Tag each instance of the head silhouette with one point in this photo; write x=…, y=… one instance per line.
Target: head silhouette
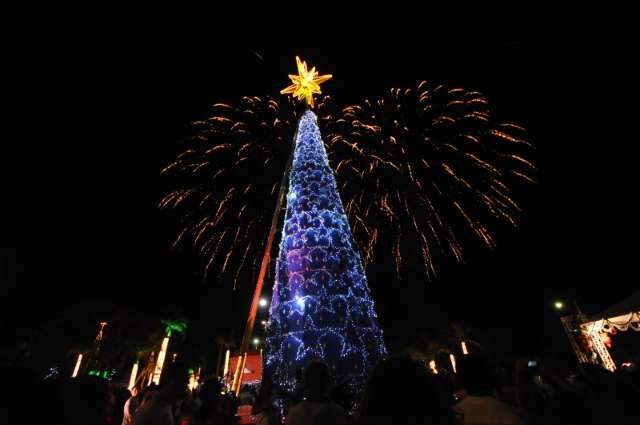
x=477, y=375
x=401, y=391
x=316, y=379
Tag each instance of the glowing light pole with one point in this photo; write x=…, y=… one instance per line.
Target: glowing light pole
x=226, y=364
x=77, y=368
x=163, y=353
x=464, y=348
x=134, y=374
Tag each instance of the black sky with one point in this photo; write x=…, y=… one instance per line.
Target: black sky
x=81, y=201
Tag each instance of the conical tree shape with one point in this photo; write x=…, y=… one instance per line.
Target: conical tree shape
x=321, y=306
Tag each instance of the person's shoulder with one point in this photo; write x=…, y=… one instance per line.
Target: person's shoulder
x=464, y=403
x=331, y=409
x=298, y=409
x=509, y=412
x=224, y=419
x=335, y=407
x=502, y=404
x=334, y=412
x=296, y=413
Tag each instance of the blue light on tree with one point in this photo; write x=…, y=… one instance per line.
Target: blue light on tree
x=321, y=306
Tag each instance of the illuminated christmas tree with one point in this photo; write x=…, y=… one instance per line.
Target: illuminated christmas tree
x=427, y=169
x=321, y=306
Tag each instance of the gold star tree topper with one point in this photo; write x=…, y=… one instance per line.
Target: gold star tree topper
x=306, y=83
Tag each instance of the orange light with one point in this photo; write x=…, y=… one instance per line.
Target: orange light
x=464, y=348
x=193, y=382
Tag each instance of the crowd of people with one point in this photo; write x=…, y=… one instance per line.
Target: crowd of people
x=398, y=391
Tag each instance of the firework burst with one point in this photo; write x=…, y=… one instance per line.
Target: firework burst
x=227, y=180
x=418, y=170
x=225, y=184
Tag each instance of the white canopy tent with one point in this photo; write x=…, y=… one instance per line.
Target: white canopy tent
x=596, y=329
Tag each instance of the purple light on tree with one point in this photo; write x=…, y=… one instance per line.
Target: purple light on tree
x=321, y=308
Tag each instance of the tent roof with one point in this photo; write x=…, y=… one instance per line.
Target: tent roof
x=626, y=306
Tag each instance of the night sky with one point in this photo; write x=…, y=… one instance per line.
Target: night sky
x=83, y=239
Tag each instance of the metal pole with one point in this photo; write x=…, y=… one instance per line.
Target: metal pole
x=266, y=258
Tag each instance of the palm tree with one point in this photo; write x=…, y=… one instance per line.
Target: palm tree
x=171, y=326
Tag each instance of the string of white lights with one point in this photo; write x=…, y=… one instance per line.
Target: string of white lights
x=321, y=306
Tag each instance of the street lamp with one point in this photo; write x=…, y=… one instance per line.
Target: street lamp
x=256, y=341
x=263, y=302
x=558, y=305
